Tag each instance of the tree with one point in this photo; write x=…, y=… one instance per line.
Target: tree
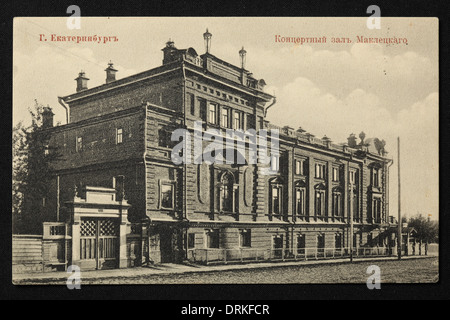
x=427, y=231
x=31, y=172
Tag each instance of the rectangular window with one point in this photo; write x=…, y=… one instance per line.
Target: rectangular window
x=203, y=113
x=164, y=138
x=119, y=135
x=335, y=174
x=320, y=203
x=338, y=241
x=274, y=162
x=320, y=241
x=320, y=171
x=352, y=177
x=224, y=118
x=376, y=177
x=237, y=120
x=167, y=196
x=276, y=199
x=300, y=201
x=191, y=103
x=301, y=244
x=337, y=204
x=299, y=167
x=377, y=210
x=119, y=185
x=212, y=238
x=79, y=146
x=245, y=238
x=191, y=240
x=212, y=113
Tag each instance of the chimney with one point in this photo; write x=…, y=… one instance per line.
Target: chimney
x=207, y=37
x=170, y=52
x=110, y=73
x=47, y=117
x=327, y=141
x=81, y=81
x=352, y=140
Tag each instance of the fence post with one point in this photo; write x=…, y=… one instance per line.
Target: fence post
x=206, y=256
x=225, y=256
x=242, y=259
x=306, y=254
x=316, y=253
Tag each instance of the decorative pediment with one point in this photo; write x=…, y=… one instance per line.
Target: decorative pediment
x=276, y=180
x=300, y=184
x=320, y=186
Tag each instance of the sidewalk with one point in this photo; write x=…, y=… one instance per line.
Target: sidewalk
x=171, y=268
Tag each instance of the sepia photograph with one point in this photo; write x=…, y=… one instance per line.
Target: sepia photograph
x=225, y=150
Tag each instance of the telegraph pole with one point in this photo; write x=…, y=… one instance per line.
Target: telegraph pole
x=399, y=236
x=351, y=221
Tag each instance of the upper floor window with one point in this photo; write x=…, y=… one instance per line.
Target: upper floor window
x=119, y=185
x=119, y=135
x=319, y=202
x=203, y=111
x=164, y=138
x=299, y=167
x=337, y=202
x=191, y=103
x=352, y=177
x=376, y=210
x=225, y=122
x=274, y=162
x=376, y=177
x=320, y=171
x=276, y=198
x=228, y=191
x=79, y=145
x=300, y=202
x=212, y=115
x=237, y=120
x=335, y=174
x=167, y=195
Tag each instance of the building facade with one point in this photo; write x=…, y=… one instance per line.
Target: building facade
x=118, y=140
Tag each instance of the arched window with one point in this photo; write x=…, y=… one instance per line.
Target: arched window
x=228, y=190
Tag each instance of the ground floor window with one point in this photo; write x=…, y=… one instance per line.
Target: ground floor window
x=301, y=244
x=245, y=238
x=320, y=241
x=191, y=240
x=212, y=238
x=338, y=241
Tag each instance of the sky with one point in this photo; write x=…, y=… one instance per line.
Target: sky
x=333, y=89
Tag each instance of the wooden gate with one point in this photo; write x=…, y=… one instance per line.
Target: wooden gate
x=99, y=243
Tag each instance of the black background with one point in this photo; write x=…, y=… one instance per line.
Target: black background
x=219, y=295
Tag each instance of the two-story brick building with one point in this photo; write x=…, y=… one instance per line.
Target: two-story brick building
x=118, y=137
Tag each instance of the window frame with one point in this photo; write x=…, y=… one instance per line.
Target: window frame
x=119, y=135
x=209, y=238
x=245, y=238
x=79, y=143
x=212, y=113
x=172, y=185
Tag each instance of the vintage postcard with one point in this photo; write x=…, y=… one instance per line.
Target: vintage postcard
x=225, y=150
